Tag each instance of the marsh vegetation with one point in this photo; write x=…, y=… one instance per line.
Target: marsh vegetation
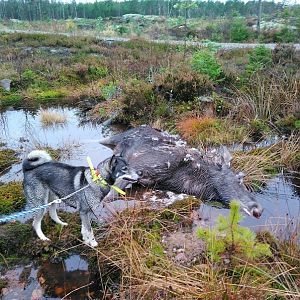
x=248, y=99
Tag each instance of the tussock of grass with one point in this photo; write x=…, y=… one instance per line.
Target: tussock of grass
x=50, y=117
x=261, y=164
x=268, y=97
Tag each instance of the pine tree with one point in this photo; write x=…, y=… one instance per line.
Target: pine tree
x=228, y=236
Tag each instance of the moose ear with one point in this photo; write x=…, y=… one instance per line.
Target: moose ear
x=226, y=157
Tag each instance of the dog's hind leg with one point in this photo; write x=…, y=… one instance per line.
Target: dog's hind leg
x=53, y=211
x=54, y=216
x=86, y=230
x=36, y=195
x=37, y=225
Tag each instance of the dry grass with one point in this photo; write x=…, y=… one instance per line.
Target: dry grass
x=133, y=248
x=50, y=118
x=261, y=164
x=202, y=131
x=268, y=97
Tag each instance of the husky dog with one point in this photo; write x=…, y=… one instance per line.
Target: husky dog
x=46, y=180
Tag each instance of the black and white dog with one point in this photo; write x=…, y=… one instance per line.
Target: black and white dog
x=46, y=180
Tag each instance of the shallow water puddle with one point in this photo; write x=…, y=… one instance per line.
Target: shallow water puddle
x=281, y=202
x=23, y=132
x=69, y=278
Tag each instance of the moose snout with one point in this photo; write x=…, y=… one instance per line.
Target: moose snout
x=255, y=209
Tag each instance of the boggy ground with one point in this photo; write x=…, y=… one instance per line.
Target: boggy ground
x=239, y=96
x=147, y=253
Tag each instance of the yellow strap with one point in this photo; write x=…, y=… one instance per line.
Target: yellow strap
x=96, y=177
x=92, y=170
x=117, y=189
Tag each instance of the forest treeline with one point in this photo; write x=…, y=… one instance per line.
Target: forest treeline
x=32, y=10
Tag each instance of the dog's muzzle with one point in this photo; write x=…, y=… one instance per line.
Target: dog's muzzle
x=132, y=177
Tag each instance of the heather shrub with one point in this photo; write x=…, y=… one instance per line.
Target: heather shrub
x=138, y=103
x=182, y=84
x=283, y=53
x=209, y=131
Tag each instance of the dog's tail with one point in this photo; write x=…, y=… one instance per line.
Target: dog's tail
x=35, y=158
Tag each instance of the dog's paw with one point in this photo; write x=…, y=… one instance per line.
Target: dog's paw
x=92, y=244
x=45, y=239
x=64, y=224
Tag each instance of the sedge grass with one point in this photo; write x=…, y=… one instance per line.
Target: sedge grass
x=50, y=118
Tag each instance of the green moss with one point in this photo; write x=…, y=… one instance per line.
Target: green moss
x=18, y=242
x=11, y=197
x=49, y=95
x=13, y=237
x=7, y=158
x=10, y=100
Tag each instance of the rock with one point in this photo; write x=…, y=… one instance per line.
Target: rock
x=181, y=257
x=5, y=83
x=184, y=247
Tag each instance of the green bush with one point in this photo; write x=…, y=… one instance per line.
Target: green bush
x=258, y=128
x=120, y=29
x=259, y=59
x=100, y=24
x=286, y=35
x=108, y=91
x=205, y=62
x=98, y=72
x=228, y=236
x=29, y=78
x=239, y=31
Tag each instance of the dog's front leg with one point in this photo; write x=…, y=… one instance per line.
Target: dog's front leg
x=86, y=230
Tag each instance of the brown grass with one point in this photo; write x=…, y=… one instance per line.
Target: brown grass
x=133, y=247
x=209, y=131
x=260, y=165
x=50, y=117
x=268, y=97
